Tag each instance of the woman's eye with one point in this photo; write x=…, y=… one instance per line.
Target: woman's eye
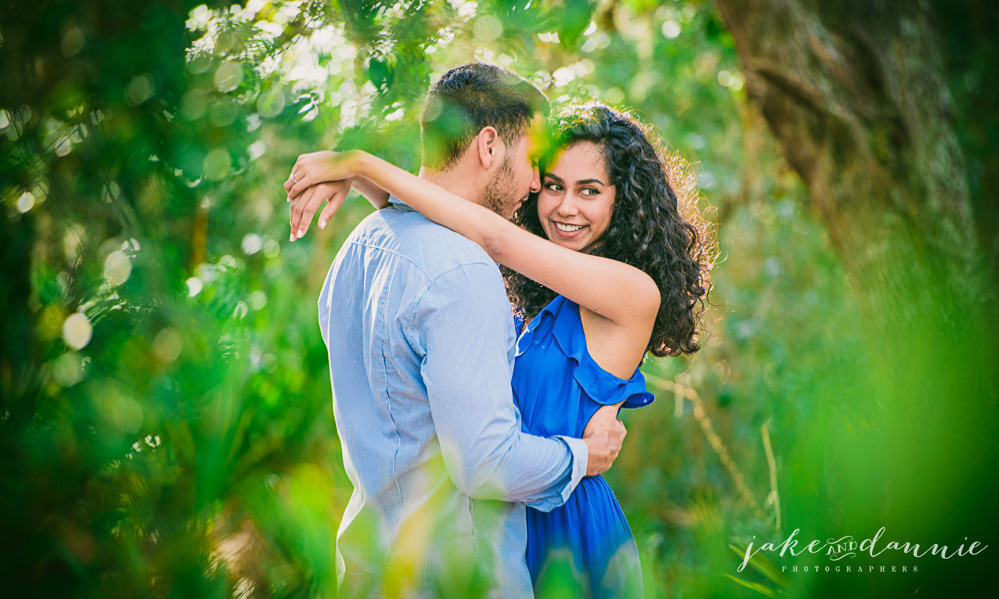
x=553, y=187
x=589, y=191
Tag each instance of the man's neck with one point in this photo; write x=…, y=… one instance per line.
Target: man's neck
x=452, y=181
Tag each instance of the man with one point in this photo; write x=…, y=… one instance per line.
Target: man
x=421, y=348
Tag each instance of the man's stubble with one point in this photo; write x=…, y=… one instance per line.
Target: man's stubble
x=499, y=192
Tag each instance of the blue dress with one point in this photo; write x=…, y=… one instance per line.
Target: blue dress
x=584, y=547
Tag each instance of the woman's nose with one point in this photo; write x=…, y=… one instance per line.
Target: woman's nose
x=567, y=207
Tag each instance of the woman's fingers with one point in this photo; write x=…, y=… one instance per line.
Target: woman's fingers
x=332, y=205
x=299, y=172
x=303, y=181
x=305, y=206
x=302, y=209
x=334, y=193
x=294, y=215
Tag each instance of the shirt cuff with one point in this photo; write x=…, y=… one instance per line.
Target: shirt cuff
x=580, y=454
x=576, y=470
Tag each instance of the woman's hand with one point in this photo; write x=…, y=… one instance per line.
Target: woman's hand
x=319, y=167
x=604, y=435
x=304, y=206
x=324, y=177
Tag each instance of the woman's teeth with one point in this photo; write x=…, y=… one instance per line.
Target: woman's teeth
x=568, y=228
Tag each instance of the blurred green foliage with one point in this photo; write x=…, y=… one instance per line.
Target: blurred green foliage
x=166, y=424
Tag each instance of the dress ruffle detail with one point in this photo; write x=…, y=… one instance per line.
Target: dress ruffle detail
x=600, y=385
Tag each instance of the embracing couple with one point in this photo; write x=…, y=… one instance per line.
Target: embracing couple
x=473, y=432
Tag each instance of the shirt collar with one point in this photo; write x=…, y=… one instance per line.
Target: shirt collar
x=398, y=203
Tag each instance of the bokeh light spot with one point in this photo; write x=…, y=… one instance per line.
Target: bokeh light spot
x=257, y=149
x=124, y=413
x=194, y=286
x=192, y=105
x=72, y=42
x=167, y=345
x=252, y=243
x=77, y=331
x=216, y=164
x=257, y=300
x=228, y=76
x=139, y=89
x=272, y=248
x=117, y=267
x=271, y=102
x=63, y=147
x=487, y=28
x=241, y=310
x=67, y=369
x=614, y=96
x=670, y=29
x=223, y=113
x=25, y=202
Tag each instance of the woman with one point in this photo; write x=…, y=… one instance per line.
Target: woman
x=625, y=274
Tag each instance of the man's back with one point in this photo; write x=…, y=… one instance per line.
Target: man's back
x=421, y=341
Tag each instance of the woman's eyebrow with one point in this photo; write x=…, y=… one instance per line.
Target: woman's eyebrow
x=558, y=179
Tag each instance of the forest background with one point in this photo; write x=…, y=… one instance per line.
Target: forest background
x=165, y=419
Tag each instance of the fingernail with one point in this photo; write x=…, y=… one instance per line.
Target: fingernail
x=291, y=237
x=301, y=232
x=322, y=224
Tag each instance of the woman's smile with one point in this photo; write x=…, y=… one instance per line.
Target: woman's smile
x=567, y=231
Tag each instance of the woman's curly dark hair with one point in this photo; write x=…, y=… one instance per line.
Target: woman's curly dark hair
x=655, y=223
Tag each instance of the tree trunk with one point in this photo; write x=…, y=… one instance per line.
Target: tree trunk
x=856, y=96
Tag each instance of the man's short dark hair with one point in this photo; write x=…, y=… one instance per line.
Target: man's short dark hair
x=468, y=98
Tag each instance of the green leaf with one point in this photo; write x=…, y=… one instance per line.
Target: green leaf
x=380, y=74
x=755, y=586
x=764, y=566
x=573, y=20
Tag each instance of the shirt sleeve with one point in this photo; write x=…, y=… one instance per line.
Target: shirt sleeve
x=462, y=330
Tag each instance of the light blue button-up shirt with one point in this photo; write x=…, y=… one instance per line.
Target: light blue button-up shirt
x=421, y=346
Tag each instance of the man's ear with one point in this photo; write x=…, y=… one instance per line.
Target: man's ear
x=490, y=147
